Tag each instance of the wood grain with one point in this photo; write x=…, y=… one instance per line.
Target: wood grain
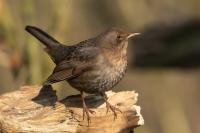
x=33, y=109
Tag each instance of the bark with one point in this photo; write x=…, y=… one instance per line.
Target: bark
x=33, y=109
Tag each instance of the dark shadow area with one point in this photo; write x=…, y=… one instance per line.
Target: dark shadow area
x=127, y=131
x=173, y=45
x=92, y=101
x=131, y=119
x=46, y=97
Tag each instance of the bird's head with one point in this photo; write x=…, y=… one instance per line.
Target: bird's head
x=115, y=38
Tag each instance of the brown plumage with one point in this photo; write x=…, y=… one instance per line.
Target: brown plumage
x=92, y=66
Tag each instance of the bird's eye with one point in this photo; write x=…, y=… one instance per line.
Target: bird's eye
x=118, y=36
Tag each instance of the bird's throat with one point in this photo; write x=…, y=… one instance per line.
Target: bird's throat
x=116, y=57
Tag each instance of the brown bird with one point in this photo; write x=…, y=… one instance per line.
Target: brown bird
x=93, y=66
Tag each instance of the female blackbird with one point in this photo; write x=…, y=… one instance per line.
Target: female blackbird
x=93, y=66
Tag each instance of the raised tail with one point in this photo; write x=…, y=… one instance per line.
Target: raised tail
x=42, y=36
x=53, y=47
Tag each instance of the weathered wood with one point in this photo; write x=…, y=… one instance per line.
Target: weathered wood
x=36, y=110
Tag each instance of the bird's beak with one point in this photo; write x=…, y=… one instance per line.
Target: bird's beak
x=132, y=35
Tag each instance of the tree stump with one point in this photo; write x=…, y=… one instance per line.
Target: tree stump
x=33, y=109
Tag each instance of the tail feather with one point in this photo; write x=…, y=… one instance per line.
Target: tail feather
x=42, y=36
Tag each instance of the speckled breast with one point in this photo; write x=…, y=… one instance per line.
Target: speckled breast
x=102, y=77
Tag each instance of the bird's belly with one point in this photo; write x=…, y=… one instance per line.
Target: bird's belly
x=99, y=79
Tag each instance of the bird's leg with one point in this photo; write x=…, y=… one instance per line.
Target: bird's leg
x=85, y=109
x=109, y=106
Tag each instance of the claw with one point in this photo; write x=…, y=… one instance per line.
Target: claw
x=111, y=107
x=86, y=111
x=91, y=111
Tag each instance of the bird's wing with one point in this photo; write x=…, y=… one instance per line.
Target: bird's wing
x=68, y=69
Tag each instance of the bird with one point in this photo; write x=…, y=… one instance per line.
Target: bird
x=92, y=66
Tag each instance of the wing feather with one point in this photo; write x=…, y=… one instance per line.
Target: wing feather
x=68, y=69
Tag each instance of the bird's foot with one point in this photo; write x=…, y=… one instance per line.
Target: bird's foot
x=113, y=109
x=87, y=112
x=109, y=106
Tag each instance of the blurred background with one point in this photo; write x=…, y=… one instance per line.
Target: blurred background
x=163, y=62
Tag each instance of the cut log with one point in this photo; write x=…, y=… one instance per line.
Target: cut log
x=33, y=109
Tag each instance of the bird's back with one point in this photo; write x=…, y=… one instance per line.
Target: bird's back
x=78, y=52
